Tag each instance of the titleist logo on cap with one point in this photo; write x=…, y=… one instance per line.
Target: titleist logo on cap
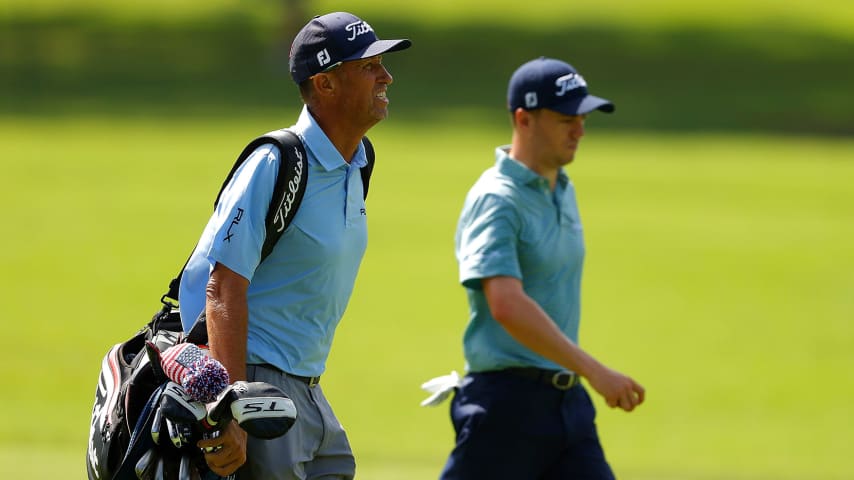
x=569, y=82
x=335, y=38
x=358, y=28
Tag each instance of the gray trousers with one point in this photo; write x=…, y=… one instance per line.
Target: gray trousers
x=315, y=448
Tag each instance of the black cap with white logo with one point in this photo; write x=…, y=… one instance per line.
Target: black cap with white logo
x=553, y=84
x=330, y=39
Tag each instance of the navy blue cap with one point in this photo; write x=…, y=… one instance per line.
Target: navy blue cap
x=330, y=39
x=553, y=84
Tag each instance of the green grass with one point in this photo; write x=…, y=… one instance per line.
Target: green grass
x=753, y=67
x=719, y=274
x=832, y=17
x=717, y=205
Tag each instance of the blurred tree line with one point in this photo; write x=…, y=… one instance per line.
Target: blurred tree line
x=235, y=60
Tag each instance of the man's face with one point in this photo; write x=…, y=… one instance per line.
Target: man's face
x=557, y=136
x=362, y=87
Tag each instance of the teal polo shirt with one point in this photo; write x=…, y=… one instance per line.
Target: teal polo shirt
x=298, y=294
x=512, y=224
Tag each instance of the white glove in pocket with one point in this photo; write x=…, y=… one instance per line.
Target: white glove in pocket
x=440, y=388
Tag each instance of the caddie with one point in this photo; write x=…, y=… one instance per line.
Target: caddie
x=274, y=321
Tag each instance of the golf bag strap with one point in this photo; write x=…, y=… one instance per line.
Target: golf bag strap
x=292, y=171
x=287, y=192
x=368, y=169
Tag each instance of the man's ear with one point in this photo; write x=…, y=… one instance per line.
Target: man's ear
x=324, y=84
x=521, y=118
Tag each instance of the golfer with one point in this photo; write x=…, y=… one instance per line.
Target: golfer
x=521, y=411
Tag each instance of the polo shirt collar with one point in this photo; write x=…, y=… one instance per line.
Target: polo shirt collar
x=321, y=147
x=519, y=172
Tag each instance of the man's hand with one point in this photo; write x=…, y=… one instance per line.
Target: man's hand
x=619, y=391
x=228, y=450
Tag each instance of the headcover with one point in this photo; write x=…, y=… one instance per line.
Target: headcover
x=263, y=410
x=202, y=376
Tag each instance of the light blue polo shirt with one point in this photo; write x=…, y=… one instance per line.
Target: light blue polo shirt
x=299, y=293
x=512, y=224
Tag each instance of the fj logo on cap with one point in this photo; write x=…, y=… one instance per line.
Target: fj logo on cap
x=323, y=57
x=569, y=82
x=357, y=28
x=530, y=99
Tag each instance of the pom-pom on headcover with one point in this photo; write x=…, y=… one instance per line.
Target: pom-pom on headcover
x=202, y=377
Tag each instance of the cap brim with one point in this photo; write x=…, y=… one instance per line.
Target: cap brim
x=584, y=105
x=380, y=47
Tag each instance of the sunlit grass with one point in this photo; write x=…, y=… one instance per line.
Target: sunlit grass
x=719, y=273
x=834, y=17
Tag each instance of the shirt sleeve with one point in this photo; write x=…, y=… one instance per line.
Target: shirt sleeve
x=487, y=239
x=239, y=219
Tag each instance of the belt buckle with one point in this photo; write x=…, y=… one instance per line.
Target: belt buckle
x=564, y=380
x=313, y=382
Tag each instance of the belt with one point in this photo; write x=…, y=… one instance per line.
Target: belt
x=559, y=379
x=310, y=381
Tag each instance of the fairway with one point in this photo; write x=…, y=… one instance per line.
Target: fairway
x=717, y=205
x=718, y=273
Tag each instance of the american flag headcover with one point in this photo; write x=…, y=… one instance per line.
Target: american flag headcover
x=202, y=377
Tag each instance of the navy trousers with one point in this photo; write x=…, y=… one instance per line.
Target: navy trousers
x=515, y=428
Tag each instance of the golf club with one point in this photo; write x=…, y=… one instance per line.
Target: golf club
x=146, y=464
